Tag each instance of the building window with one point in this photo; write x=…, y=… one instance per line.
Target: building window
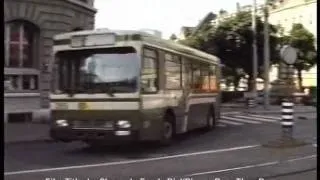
x=20, y=39
x=149, y=77
x=15, y=83
x=173, y=71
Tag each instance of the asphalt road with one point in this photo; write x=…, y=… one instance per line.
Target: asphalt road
x=228, y=152
x=308, y=174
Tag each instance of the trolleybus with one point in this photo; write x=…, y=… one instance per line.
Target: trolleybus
x=116, y=86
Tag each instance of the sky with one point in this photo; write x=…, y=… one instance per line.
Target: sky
x=167, y=16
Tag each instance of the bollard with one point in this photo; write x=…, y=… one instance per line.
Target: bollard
x=250, y=103
x=287, y=119
x=287, y=139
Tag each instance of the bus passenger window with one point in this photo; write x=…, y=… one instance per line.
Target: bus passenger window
x=186, y=74
x=213, y=79
x=205, y=86
x=173, y=72
x=196, y=78
x=149, y=77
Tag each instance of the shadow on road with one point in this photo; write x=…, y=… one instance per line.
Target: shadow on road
x=139, y=150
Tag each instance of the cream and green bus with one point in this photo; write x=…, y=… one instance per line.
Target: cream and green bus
x=128, y=86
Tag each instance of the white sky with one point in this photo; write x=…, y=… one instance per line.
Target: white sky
x=167, y=16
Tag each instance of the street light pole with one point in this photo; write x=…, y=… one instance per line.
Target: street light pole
x=254, y=48
x=266, y=56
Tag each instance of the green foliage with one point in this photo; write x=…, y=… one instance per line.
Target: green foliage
x=173, y=37
x=232, y=41
x=303, y=40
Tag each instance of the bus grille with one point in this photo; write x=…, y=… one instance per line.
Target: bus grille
x=93, y=124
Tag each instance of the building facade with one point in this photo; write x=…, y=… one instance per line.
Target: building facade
x=29, y=28
x=288, y=12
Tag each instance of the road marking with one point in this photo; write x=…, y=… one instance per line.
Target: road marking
x=129, y=162
x=237, y=168
x=266, y=117
x=233, y=112
x=306, y=157
x=230, y=122
x=252, y=166
x=240, y=120
x=258, y=119
x=315, y=145
x=221, y=125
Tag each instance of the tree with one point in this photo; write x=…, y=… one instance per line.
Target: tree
x=222, y=12
x=303, y=40
x=173, y=37
x=232, y=41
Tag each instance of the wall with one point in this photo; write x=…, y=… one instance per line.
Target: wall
x=51, y=17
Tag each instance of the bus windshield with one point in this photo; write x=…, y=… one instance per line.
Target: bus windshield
x=111, y=70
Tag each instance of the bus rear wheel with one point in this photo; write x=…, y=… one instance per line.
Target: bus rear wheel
x=211, y=120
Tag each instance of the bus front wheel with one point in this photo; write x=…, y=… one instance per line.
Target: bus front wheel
x=168, y=130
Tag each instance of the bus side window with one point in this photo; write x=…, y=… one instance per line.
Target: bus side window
x=173, y=71
x=186, y=73
x=149, y=76
x=205, y=80
x=196, y=77
x=213, y=78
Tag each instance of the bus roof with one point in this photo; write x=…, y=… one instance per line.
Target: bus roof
x=144, y=38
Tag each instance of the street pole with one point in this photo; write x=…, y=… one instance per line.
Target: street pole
x=266, y=56
x=254, y=48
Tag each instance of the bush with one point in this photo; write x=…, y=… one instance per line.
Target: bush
x=227, y=96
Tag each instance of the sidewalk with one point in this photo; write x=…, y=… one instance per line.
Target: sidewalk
x=26, y=132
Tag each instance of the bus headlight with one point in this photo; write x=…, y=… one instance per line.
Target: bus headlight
x=123, y=124
x=62, y=123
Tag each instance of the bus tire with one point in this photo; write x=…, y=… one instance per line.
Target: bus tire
x=211, y=119
x=168, y=130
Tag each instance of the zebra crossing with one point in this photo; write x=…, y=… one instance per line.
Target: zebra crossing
x=238, y=119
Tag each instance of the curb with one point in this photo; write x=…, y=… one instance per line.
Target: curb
x=30, y=141
x=232, y=106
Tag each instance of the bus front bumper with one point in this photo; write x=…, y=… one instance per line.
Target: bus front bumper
x=68, y=135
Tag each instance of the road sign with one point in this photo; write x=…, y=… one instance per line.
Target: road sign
x=288, y=54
